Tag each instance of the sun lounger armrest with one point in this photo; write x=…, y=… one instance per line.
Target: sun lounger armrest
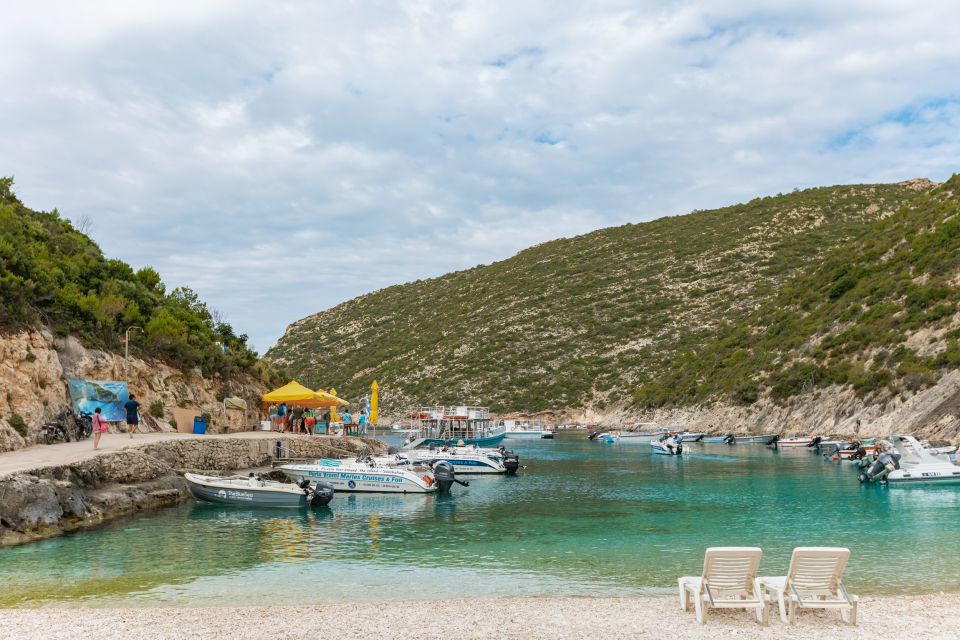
x=842, y=590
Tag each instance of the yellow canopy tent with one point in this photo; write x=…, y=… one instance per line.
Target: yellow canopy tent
x=374, y=401
x=292, y=392
x=331, y=400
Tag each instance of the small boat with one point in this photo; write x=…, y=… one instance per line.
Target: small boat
x=728, y=439
x=688, y=436
x=796, y=441
x=762, y=439
x=515, y=430
x=667, y=446
x=366, y=475
x=906, y=461
x=547, y=434
x=465, y=460
x=257, y=492
x=608, y=437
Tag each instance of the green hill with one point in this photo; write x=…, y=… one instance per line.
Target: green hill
x=769, y=297
x=53, y=275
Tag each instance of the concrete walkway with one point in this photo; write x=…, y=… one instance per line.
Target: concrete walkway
x=43, y=455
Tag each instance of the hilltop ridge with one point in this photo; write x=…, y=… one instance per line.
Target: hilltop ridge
x=617, y=318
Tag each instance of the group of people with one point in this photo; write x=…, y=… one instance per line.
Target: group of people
x=297, y=419
x=100, y=424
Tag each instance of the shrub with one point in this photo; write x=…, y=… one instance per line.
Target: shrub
x=156, y=409
x=746, y=393
x=18, y=424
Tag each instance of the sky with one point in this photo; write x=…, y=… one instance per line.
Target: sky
x=282, y=157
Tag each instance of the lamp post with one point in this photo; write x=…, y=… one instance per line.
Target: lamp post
x=126, y=346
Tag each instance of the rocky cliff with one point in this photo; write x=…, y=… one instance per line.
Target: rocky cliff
x=34, y=367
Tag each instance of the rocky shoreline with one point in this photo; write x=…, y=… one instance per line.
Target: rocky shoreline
x=52, y=500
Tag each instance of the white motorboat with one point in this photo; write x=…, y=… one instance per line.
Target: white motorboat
x=365, y=475
x=796, y=441
x=763, y=439
x=906, y=461
x=627, y=437
x=254, y=491
x=689, y=436
x=465, y=460
x=667, y=446
x=515, y=430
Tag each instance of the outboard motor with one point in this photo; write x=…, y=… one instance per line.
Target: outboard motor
x=815, y=442
x=730, y=439
x=511, y=461
x=321, y=494
x=886, y=462
x=773, y=441
x=445, y=476
x=593, y=435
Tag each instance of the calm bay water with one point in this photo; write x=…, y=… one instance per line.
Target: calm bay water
x=582, y=519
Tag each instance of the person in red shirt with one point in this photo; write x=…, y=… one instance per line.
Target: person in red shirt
x=99, y=427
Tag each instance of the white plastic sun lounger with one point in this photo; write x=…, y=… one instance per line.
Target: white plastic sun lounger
x=729, y=581
x=813, y=581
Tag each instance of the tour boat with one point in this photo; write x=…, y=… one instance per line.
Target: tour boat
x=254, y=491
x=465, y=460
x=910, y=463
x=459, y=425
x=365, y=474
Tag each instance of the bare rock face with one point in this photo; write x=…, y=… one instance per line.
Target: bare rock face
x=34, y=368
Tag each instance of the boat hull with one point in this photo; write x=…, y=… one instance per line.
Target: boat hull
x=490, y=441
x=523, y=435
x=361, y=480
x=249, y=496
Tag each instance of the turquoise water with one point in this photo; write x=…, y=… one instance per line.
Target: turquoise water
x=582, y=519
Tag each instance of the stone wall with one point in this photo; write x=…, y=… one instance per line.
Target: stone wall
x=34, y=367
x=52, y=500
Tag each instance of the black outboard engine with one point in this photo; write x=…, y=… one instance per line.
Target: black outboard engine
x=730, y=439
x=815, y=442
x=511, y=461
x=593, y=434
x=445, y=476
x=773, y=441
x=321, y=494
x=886, y=462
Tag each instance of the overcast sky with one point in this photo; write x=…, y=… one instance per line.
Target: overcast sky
x=282, y=157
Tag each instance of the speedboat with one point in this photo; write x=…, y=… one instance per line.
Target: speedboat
x=256, y=492
x=465, y=460
x=667, y=446
x=608, y=437
x=366, y=475
x=906, y=461
x=547, y=434
x=688, y=436
x=796, y=441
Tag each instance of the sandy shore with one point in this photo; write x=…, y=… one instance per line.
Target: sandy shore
x=527, y=618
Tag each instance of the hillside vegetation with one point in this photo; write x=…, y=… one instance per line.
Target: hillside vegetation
x=773, y=297
x=53, y=275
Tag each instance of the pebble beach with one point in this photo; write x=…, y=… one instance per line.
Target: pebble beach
x=928, y=616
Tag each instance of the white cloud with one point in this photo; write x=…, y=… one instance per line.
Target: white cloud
x=281, y=158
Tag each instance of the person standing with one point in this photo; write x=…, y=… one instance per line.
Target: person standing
x=99, y=427
x=133, y=414
x=362, y=422
x=282, y=417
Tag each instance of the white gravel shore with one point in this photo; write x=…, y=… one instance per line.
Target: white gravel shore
x=931, y=616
